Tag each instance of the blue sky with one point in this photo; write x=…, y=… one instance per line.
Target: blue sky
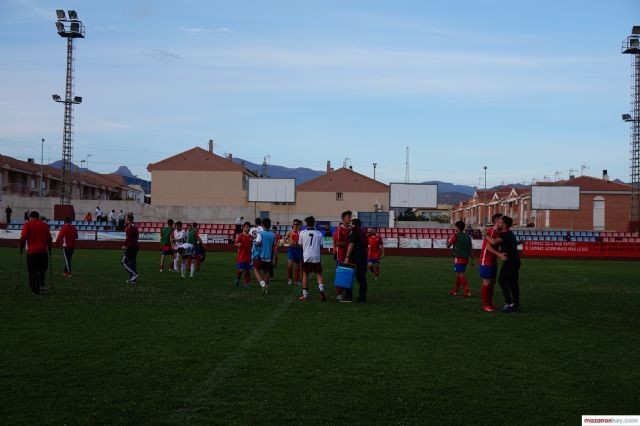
x=525, y=88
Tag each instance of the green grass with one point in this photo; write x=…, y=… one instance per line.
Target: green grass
x=170, y=351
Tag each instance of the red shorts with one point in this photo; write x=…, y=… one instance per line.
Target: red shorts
x=261, y=265
x=166, y=249
x=312, y=268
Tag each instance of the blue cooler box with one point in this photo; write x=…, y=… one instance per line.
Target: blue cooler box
x=344, y=277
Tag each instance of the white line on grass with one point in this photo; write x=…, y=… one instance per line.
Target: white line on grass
x=217, y=375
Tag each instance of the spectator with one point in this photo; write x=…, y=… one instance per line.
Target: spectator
x=98, y=214
x=121, y=220
x=8, y=212
x=26, y=215
x=239, y=221
x=88, y=217
x=113, y=218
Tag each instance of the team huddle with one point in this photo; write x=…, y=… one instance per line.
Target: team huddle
x=258, y=246
x=184, y=246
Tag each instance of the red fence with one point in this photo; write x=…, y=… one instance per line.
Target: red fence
x=581, y=249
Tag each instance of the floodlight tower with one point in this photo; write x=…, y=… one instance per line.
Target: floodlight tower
x=631, y=46
x=69, y=28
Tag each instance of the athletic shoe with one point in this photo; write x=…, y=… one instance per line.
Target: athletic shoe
x=488, y=308
x=323, y=296
x=468, y=294
x=290, y=282
x=339, y=297
x=161, y=269
x=302, y=298
x=453, y=293
x=265, y=289
x=375, y=278
x=65, y=274
x=237, y=282
x=508, y=309
x=344, y=300
x=69, y=275
x=181, y=275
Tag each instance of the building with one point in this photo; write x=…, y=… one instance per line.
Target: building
x=198, y=177
x=339, y=190
x=604, y=205
x=26, y=178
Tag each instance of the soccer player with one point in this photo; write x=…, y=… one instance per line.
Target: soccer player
x=488, y=265
x=276, y=258
x=67, y=240
x=374, y=253
x=311, y=242
x=178, y=238
x=166, y=244
x=244, y=243
x=36, y=236
x=263, y=258
x=185, y=251
x=294, y=252
x=461, y=244
x=341, y=242
x=510, y=270
x=357, y=251
x=130, y=249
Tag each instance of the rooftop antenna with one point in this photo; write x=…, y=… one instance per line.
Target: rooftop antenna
x=406, y=167
x=346, y=162
x=572, y=172
x=584, y=167
x=265, y=166
x=557, y=173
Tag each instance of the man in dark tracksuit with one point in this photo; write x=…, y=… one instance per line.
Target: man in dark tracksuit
x=37, y=238
x=357, y=253
x=510, y=270
x=130, y=249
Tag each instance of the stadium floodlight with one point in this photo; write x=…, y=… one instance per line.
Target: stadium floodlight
x=77, y=99
x=56, y=98
x=634, y=42
x=60, y=14
x=626, y=117
x=635, y=30
x=60, y=27
x=73, y=15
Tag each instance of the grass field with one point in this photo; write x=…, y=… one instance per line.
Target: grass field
x=171, y=351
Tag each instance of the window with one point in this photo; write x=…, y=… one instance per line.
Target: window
x=338, y=196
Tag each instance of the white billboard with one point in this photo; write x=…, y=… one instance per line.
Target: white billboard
x=413, y=195
x=555, y=197
x=266, y=190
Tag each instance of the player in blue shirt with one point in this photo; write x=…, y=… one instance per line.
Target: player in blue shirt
x=263, y=256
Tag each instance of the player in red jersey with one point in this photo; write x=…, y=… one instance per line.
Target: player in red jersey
x=489, y=265
x=294, y=252
x=37, y=239
x=341, y=242
x=67, y=240
x=244, y=243
x=374, y=253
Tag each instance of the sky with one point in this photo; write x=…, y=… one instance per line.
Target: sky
x=528, y=89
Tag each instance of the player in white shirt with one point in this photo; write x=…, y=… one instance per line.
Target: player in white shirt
x=178, y=239
x=311, y=242
x=185, y=252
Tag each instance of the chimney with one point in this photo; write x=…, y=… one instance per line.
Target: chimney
x=572, y=177
x=30, y=161
x=605, y=176
x=328, y=167
x=211, y=146
x=230, y=156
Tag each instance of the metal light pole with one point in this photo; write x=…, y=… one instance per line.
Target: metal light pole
x=631, y=46
x=374, y=170
x=41, y=167
x=70, y=29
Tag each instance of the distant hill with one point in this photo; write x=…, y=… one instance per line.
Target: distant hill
x=124, y=171
x=446, y=187
x=300, y=174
